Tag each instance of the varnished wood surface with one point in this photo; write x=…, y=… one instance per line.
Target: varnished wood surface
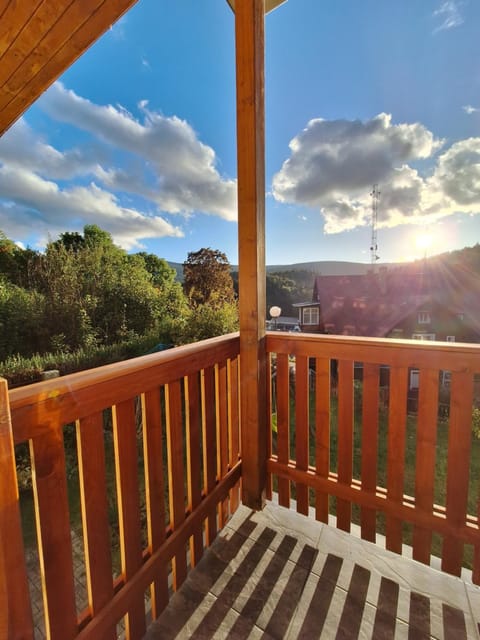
x=38, y=407
x=94, y=502
x=250, y=60
x=397, y=426
x=345, y=439
x=40, y=40
x=395, y=358
x=16, y=616
x=458, y=465
x=425, y=455
x=195, y=416
x=53, y=531
x=369, y=445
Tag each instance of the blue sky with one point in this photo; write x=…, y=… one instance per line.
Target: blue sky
x=139, y=135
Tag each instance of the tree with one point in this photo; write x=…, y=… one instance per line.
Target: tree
x=98, y=294
x=206, y=321
x=158, y=268
x=70, y=240
x=207, y=278
x=22, y=320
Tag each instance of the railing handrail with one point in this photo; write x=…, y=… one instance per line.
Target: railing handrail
x=450, y=356
x=37, y=407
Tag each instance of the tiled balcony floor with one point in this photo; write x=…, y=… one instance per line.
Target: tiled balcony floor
x=276, y=574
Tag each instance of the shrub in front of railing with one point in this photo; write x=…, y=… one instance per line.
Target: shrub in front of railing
x=476, y=422
x=19, y=370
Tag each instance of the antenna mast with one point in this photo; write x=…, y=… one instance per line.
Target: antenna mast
x=373, y=244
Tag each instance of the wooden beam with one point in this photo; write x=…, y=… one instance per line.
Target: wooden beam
x=15, y=617
x=40, y=40
x=250, y=54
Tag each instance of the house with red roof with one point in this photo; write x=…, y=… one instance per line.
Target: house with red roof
x=418, y=301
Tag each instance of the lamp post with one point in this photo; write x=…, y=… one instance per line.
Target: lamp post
x=275, y=313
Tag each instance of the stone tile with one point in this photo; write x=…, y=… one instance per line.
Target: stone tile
x=409, y=574
x=287, y=522
x=293, y=583
x=473, y=594
x=239, y=517
x=315, y=603
x=178, y=620
x=249, y=558
x=334, y=614
x=401, y=631
x=285, y=576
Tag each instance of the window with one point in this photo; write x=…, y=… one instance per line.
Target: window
x=446, y=378
x=414, y=376
x=310, y=315
x=450, y=338
x=423, y=317
x=423, y=336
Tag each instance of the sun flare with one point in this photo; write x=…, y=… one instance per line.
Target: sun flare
x=423, y=240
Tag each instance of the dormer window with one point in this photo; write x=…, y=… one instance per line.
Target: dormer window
x=311, y=315
x=424, y=317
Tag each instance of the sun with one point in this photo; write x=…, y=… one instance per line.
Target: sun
x=423, y=241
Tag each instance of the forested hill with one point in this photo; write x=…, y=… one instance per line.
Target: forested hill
x=288, y=284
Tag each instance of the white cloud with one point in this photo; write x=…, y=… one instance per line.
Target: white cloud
x=449, y=15
x=21, y=147
x=187, y=179
x=457, y=176
x=165, y=170
x=469, y=109
x=330, y=158
x=333, y=165
x=33, y=204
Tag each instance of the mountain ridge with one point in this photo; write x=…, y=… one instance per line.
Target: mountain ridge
x=319, y=267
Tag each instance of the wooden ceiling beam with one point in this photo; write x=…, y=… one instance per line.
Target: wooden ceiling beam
x=38, y=44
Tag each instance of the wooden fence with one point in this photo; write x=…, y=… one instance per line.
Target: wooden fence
x=173, y=418
x=334, y=448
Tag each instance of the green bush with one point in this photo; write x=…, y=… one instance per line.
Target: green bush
x=476, y=422
x=19, y=370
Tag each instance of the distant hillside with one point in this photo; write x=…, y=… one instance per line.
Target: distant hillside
x=321, y=267
x=328, y=267
x=469, y=256
x=178, y=266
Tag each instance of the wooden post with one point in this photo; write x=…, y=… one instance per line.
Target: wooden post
x=15, y=612
x=250, y=54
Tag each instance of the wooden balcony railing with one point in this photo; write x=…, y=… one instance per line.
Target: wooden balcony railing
x=351, y=438
x=170, y=475
x=154, y=448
